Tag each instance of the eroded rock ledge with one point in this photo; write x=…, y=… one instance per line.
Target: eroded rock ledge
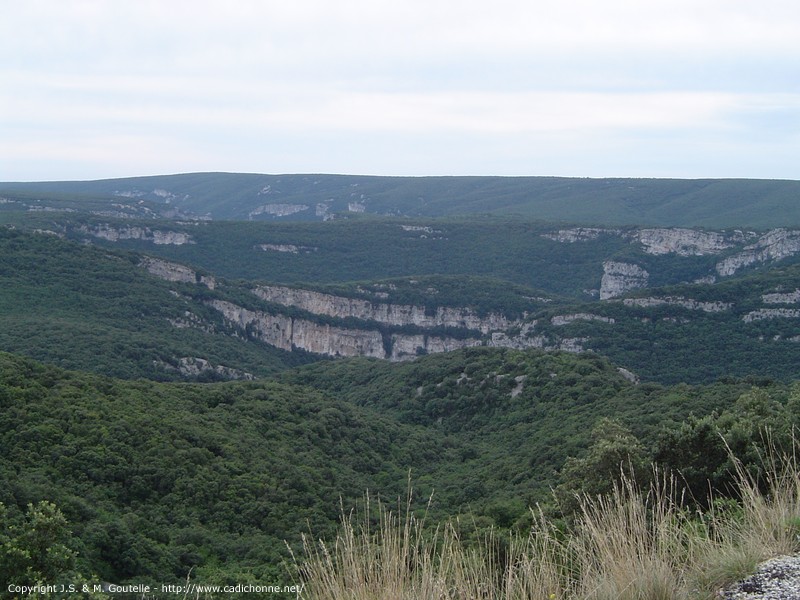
x=397, y=315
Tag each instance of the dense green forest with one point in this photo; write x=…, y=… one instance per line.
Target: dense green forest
x=85, y=308
x=157, y=479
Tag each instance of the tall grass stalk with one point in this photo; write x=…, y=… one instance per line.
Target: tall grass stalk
x=630, y=545
x=763, y=524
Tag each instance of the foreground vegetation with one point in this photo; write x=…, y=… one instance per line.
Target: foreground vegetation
x=631, y=544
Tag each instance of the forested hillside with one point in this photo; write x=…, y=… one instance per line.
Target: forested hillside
x=97, y=310
x=245, y=196
x=158, y=479
x=115, y=307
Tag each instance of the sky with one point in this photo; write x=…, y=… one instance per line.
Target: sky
x=93, y=89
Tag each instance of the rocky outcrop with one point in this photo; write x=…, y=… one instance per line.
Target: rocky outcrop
x=336, y=341
x=771, y=313
x=145, y=234
x=659, y=240
x=774, y=245
x=574, y=345
x=290, y=248
x=578, y=234
x=277, y=210
x=424, y=232
x=287, y=333
x=190, y=366
x=774, y=579
x=171, y=271
x=620, y=277
x=356, y=207
x=405, y=347
x=683, y=242
x=189, y=320
x=559, y=320
x=398, y=315
x=778, y=298
x=629, y=375
x=688, y=303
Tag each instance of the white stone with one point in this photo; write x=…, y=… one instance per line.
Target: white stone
x=620, y=277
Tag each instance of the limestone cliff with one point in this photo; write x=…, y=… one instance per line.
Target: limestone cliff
x=774, y=245
x=193, y=366
x=620, y=277
x=559, y=320
x=287, y=333
x=397, y=315
x=290, y=248
x=659, y=240
x=290, y=333
x=579, y=234
x=171, y=271
x=709, y=307
x=278, y=210
x=405, y=347
x=146, y=234
x=779, y=298
x=683, y=242
x=771, y=313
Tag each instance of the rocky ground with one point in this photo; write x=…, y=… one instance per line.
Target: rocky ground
x=776, y=579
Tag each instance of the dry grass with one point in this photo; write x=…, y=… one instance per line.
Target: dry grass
x=630, y=545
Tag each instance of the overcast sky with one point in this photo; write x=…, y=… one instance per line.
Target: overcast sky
x=639, y=88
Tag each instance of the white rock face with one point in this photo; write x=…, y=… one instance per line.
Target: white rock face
x=356, y=207
x=290, y=248
x=525, y=338
x=407, y=347
x=572, y=344
x=567, y=319
x=578, y=234
x=683, y=242
x=776, y=298
x=189, y=320
x=629, y=375
x=323, y=210
x=192, y=367
x=709, y=307
x=390, y=314
x=771, y=313
x=115, y=234
x=336, y=341
x=286, y=333
x=774, y=245
x=620, y=277
x=171, y=271
x=278, y=210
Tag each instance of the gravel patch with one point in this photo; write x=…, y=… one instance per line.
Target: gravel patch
x=776, y=579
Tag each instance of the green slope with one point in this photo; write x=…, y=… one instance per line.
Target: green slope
x=157, y=479
x=94, y=309
x=655, y=202
x=160, y=479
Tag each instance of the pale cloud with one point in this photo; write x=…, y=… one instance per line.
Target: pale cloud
x=622, y=87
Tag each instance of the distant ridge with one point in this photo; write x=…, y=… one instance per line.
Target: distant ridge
x=755, y=203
